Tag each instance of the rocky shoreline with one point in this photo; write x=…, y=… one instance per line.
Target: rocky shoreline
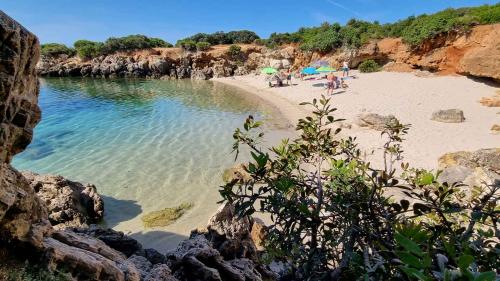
x=451, y=53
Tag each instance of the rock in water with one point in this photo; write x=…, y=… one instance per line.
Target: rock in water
x=448, y=116
x=375, y=121
x=70, y=204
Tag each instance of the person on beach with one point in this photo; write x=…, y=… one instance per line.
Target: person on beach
x=289, y=77
x=345, y=68
x=331, y=83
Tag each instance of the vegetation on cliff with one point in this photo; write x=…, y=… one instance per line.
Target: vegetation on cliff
x=89, y=49
x=55, y=49
x=413, y=30
x=369, y=66
x=336, y=217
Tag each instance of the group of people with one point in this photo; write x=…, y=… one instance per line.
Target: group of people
x=280, y=77
x=333, y=81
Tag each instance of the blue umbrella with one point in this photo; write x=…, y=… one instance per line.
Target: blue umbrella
x=309, y=71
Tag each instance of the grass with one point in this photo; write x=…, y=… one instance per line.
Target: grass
x=166, y=216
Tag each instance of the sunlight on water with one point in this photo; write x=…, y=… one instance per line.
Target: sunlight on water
x=145, y=144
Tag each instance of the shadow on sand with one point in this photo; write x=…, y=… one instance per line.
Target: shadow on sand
x=117, y=210
x=162, y=241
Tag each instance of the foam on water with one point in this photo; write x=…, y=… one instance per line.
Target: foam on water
x=145, y=144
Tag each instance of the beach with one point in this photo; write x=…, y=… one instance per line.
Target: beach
x=410, y=97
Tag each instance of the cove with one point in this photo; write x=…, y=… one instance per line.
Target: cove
x=145, y=144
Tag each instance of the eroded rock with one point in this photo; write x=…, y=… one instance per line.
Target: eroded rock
x=448, y=116
x=375, y=121
x=69, y=203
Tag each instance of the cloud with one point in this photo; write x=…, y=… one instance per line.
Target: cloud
x=343, y=7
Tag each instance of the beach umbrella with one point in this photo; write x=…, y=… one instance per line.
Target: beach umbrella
x=320, y=63
x=326, y=69
x=309, y=71
x=269, y=70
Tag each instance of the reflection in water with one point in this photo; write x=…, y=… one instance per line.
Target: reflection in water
x=146, y=145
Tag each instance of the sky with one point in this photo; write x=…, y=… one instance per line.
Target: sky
x=65, y=21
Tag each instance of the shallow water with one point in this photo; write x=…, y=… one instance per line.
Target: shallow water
x=145, y=144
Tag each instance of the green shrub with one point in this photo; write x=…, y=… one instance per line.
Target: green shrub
x=369, y=66
x=234, y=51
x=333, y=216
x=88, y=49
x=219, y=38
x=188, y=45
x=202, y=46
x=55, y=49
x=35, y=273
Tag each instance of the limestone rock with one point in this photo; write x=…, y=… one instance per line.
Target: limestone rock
x=237, y=172
x=495, y=129
x=114, y=239
x=375, y=121
x=258, y=233
x=69, y=203
x=19, y=112
x=448, y=116
x=493, y=101
x=485, y=158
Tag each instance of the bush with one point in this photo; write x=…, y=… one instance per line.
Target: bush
x=220, y=38
x=369, y=66
x=35, y=273
x=234, y=51
x=88, y=49
x=202, y=46
x=55, y=49
x=332, y=218
x=188, y=45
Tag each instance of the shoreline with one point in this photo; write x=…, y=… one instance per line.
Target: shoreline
x=410, y=97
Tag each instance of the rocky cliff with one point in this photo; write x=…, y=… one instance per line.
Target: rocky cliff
x=44, y=219
x=474, y=53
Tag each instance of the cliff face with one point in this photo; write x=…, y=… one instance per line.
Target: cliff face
x=475, y=53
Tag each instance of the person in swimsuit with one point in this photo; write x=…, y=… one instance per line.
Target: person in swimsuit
x=345, y=68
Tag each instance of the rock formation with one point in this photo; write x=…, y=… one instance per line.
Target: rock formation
x=448, y=116
x=474, y=53
x=375, y=121
x=69, y=203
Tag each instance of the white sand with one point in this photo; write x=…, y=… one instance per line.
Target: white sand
x=410, y=98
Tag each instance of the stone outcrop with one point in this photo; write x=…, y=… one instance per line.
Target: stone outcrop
x=471, y=168
x=448, y=116
x=375, y=121
x=474, y=53
x=69, y=203
x=487, y=158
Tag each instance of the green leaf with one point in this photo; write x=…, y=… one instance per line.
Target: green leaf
x=412, y=272
x=409, y=259
x=426, y=179
x=486, y=276
x=464, y=261
x=408, y=244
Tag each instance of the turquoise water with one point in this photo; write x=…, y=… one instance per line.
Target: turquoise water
x=145, y=144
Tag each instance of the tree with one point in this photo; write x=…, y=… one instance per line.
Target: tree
x=332, y=217
x=55, y=49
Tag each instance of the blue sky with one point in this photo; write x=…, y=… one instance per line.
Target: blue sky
x=66, y=21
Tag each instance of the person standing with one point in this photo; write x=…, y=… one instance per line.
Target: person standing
x=345, y=68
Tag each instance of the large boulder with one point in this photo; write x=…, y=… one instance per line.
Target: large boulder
x=70, y=204
x=487, y=158
x=448, y=116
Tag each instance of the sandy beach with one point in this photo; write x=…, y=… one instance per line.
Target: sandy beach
x=409, y=97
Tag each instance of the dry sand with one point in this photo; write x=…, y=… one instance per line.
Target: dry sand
x=410, y=97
